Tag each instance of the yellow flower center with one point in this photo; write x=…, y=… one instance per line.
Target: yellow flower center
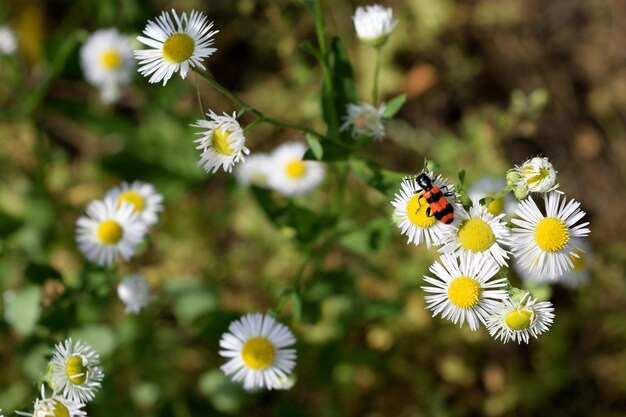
x=464, y=292
x=59, y=410
x=220, y=142
x=551, y=234
x=75, y=370
x=579, y=262
x=110, y=232
x=132, y=197
x=178, y=48
x=295, y=169
x=258, y=353
x=476, y=235
x=533, y=178
x=496, y=207
x=416, y=211
x=111, y=59
x=519, y=319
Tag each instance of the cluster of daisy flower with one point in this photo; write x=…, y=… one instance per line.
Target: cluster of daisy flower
x=282, y=170
x=468, y=284
x=114, y=227
x=74, y=375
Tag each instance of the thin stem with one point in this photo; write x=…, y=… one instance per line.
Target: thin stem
x=376, y=73
x=286, y=125
x=485, y=201
x=342, y=176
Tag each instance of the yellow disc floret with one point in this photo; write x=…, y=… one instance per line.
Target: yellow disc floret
x=295, y=169
x=110, y=232
x=59, y=410
x=464, y=292
x=220, y=142
x=551, y=234
x=76, y=370
x=519, y=319
x=416, y=211
x=111, y=59
x=132, y=197
x=476, y=235
x=258, y=353
x=178, y=48
x=496, y=206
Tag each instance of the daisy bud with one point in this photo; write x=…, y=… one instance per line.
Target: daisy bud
x=8, y=44
x=521, y=191
x=539, y=174
x=134, y=292
x=373, y=24
x=512, y=177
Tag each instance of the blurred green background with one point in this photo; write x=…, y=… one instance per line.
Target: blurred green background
x=489, y=83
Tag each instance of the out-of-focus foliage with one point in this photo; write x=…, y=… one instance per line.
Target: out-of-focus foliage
x=487, y=84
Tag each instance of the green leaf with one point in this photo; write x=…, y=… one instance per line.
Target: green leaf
x=331, y=151
x=24, y=309
x=394, y=106
x=8, y=225
x=387, y=182
x=101, y=337
x=315, y=146
x=365, y=238
x=191, y=300
x=223, y=394
x=39, y=273
x=308, y=47
x=462, y=178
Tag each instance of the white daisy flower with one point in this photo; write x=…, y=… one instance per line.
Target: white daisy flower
x=477, y=232
x=222, y=142
x=255, y=170
x=519, y=319
x=577, y=276
x=544, y=244
x=487, y=187
x=75, y=371
x=54, y=406
x=365, y=120
x=134, y=292
x=538, y=174
x=291, y=175
x=175, y=45
x=142, y=196
x=410, y=212
x=107, y=62
x=462, y=288
x=255, y=346
x=373, y=24
x=107, y=230
x=8, y=43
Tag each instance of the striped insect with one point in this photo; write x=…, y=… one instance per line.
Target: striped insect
x=438, y=205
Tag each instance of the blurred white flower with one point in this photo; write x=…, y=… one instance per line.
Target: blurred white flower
x=373, y=24
x=255, y=170
x=222, y=142
x=144, y=198
x=109, y=230
x=134, y=292
x=291, y=175
x=107, y=62
x=8, y=43
x=363, y=119
x=175, y=45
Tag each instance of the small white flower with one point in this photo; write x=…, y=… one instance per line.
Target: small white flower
x=543, y=244
x=373, y=24
x=365, y=120
x=75, y=371
x=134, y=292
x=54, y=406
x=291, y=175
x=223, y=143
x=487, y=187
x=256, y=348
x=410, y=214
x=538, y=174
x=478, y=232
x=107, y=230
x=8, y=43
x=519, y=319
x=255, y=170
x=175, y=45
x=142, y=196
x=463, y=289
x=107, y=62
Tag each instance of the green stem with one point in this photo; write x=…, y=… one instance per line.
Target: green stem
x=286, y=125
x=342, y=177
x=375, y=83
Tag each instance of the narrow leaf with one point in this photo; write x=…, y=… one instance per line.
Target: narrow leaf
x=394, y=106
